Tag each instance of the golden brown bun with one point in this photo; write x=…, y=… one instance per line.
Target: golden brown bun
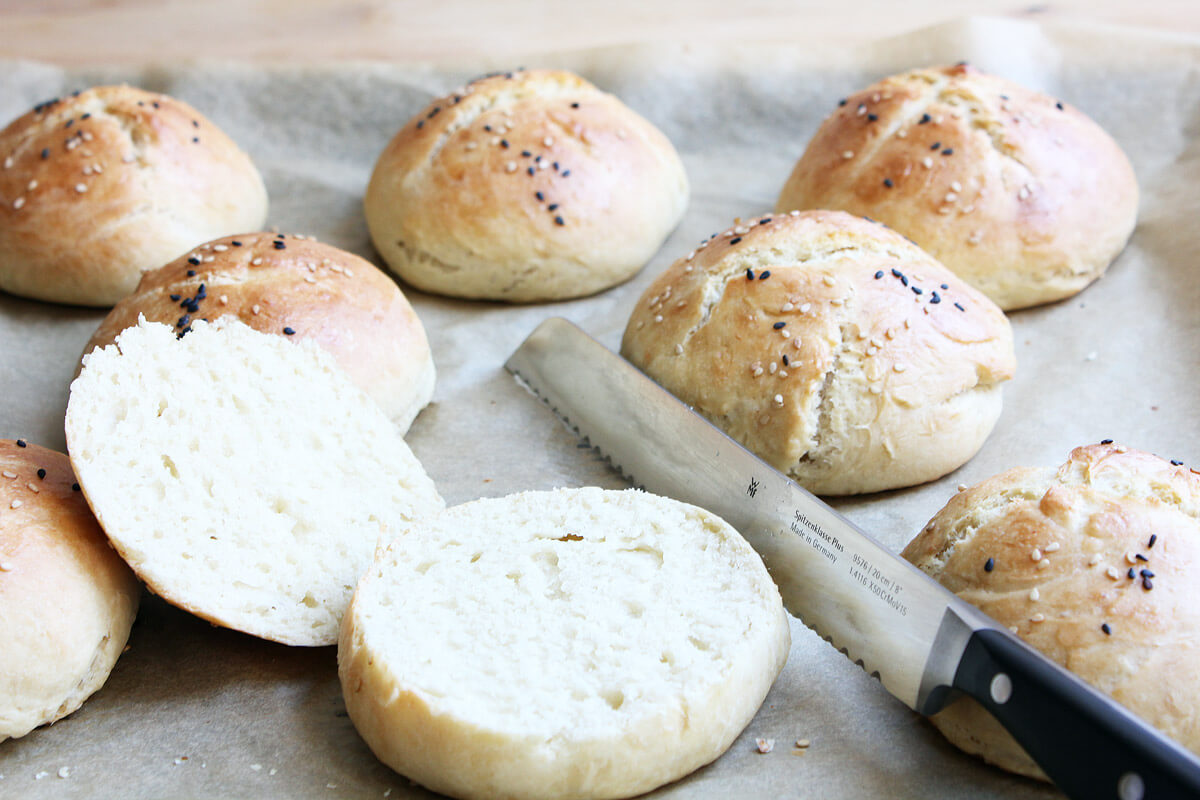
x=1073, y=535
x=524, y=186
x=1024, y=197
x=343, y=303
x=67, y=600
x=885, y=369
x=102, y=185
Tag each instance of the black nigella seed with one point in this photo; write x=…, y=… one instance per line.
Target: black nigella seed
x=766, y=273
x=559, y=221
x=735, y=240
x=504, y=143
x=1140, y=557
x=41, y=473
x=872, y=117
x=1176, y=462
x=236, y=244
x=944, y=286
x=959, y=306
x=420, y=123
x=74, y=487
x=842, y=102
x=20, y=442
x=279, y=245
x=155, y=104
x=935, y=298
x=289, y=331
x=487, y=128
x=1107, y=630
x=175, y=298
x=195, y=140
x=989, y=565
x=1131, y=574
x=530, y=171
x=749, y=274
x=925, y=118
x=764, y=220
x=1153, y=539
x=526, y=153
x=904, y=280
x=887, y=182
x=566, y=172
x=552, y=207
x=917, y=290
x=878, y=274
x=195, y=123
x=191, y=273
x=194, y=261
x=785, y=360
x=574, y=105
x=1146, y=573
x=935, y=146
x=70, y=122
x=1106, y=441
x=45, y=153
x=949, y=151
x=1147, y=584
x=1059, y=106
x=778, y=325
x=539, y=196
x=897, y=273
x=183, y=321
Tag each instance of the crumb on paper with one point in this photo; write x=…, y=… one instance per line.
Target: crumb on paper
x=40, y=775
x=272, y=771
x=1092, y=356
x=331, y=786
x=803, y=744
x=765, y=745
x=64, y=772
x=256, y=767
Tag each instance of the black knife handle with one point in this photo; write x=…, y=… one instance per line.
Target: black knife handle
x=1090, y=746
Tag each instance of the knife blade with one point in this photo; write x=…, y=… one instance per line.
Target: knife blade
x=922, y=642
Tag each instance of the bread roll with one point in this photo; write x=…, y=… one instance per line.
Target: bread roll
x=296, y=287
x=244, y=478
x=67, y=600
x=1094, y=565
x=1023, y=196
x=830, y=346
x=524, y=186
x=579, y=643
x=104, y=184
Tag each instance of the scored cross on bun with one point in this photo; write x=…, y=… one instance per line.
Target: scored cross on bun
x=524, y=186
x=1021, y=195
x=107, y=183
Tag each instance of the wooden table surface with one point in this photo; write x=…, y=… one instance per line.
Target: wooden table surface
x=135, y=31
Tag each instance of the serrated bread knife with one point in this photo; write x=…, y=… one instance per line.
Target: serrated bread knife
x=921, y=641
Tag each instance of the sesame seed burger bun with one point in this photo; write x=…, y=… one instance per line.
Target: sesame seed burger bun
x=1021, y=195
x=1049, y=553
x=102, y=185
x=295, y=287
x=523, y=187
x=67, y=600
x=832, y=347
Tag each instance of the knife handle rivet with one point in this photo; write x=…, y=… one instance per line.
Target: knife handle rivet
x=1001, y=690
x=1131, y=787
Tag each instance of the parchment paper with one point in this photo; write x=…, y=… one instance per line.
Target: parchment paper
x=196, y=711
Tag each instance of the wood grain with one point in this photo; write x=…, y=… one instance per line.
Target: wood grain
x=72, y=32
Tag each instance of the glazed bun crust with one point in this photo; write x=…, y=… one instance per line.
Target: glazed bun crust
x=274, y=284
x=67, y=600
x=101, y=186
x=1062, y=544
x=1023, y=196
x=846, y=381
x=524, y=187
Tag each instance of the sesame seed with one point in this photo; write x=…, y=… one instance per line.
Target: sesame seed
x=256, y=261
x=1052, y=547
x=1036, y=555
x=951, y=197
x=18, y=203
x=8, y=474
x=31, y=486
x=81, y=188
x=1094, y=560
x=1045, y=562
x=766, y=273
x=1034, y=594
x=548, y=141
x=1038, y=618
x=658, y=317
x=678, y=349
x=6, y=566
x=511, y=166
x=1112, y=573
x=15, y=504
x=778, y=399
x=756, y=371
x=254, y=309
x=772, y=368
x=805, y=307
x=220, y=248
x=848, y=154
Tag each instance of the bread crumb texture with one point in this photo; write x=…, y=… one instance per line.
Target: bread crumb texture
x=1093, y=564
x=242, y=476
x=830, y=346
x=574, y=643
